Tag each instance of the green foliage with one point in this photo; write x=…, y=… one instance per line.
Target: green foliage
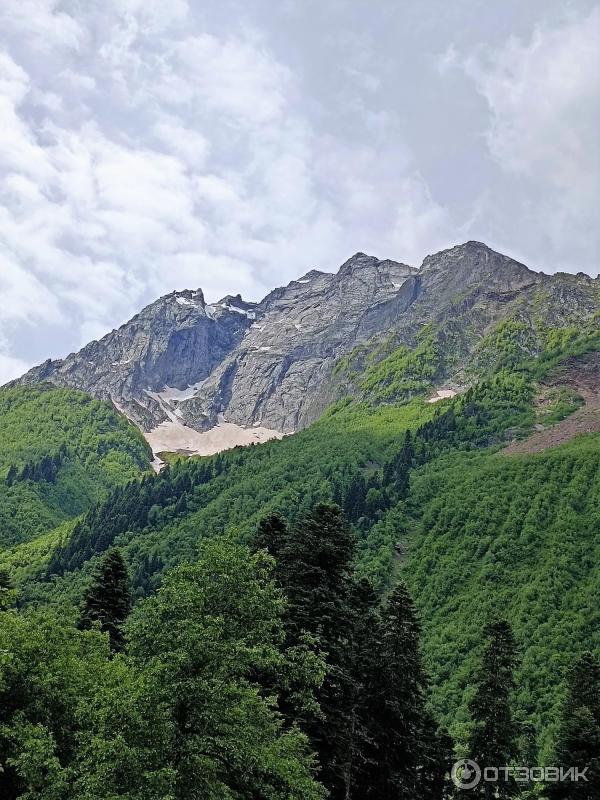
x=514, y=536
x=8, y=593
x=38, y=420
x=28, y=561
x=558, y=404
x=473, y=533
x=578, y=741
x=62, y=451
x=400, y=735
x=232, y=491
x=200, y=640
x=342, y=458
x=506, y=346
x=562, y=344
x=371, y=730
x=108, y=600
x=493, y=741
x=314, y=564
x=179, y=716
x=46, y=669
x=406, y=371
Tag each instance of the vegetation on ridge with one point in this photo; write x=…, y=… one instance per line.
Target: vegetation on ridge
x=313, y=654
x=61, y=452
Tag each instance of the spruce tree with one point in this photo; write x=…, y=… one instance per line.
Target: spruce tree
x=578, y=742
x=494, y=733
x=270, y=535
x=437, y=759
x=314, y=570
x=108, y=601
x=361, y=664
x=11, y=475
x=396, y=698
x=8, y=593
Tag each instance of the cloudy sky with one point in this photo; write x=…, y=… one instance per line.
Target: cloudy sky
x=147, y=146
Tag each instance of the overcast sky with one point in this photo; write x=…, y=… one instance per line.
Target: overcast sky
x=152, y=145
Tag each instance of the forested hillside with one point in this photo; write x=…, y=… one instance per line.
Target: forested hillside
x=514, y=536
x=61, y=452
x=372, y=497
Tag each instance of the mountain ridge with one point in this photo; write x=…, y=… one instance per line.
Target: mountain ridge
x=183, y=363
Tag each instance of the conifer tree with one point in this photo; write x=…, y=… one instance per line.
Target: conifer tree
x=8, y=594
x=437, y=759
x=108, y=601
x=314, y=570
x=11, y=475
x=270, y=535
x=396, y=691
x=494, y=734
x=578, y=743
x=354, y=502
x=362, y=664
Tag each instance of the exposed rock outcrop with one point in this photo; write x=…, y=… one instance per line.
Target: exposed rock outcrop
x=272, y=364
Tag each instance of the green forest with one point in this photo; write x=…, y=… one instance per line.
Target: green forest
x=61, y=452
x=344, y=613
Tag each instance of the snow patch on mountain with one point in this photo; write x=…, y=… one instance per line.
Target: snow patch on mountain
x=174, y=437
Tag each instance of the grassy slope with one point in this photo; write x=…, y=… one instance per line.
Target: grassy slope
x=102, y=450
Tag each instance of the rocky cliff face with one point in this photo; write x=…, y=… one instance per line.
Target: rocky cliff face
x=174, y=343
x=278, y=374
x=272, y=364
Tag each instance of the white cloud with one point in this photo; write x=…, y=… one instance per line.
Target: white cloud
x=191, y=146
x=24, y=297
x=543, y=96
x=234, y=76
x=41, y=23
x=11, y=368
x=421, y=224
x=167, y=156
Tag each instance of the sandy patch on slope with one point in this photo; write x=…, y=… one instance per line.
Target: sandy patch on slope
x=584, y=420
x=174, y=437
x=441, y=394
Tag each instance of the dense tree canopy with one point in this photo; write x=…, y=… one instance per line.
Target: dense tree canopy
x=301, y=666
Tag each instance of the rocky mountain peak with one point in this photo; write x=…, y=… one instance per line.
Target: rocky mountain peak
x=236, y=301
x=474, y=263
x=310, y=275
x=197, y=295
x=272, y=365
x=356, y=261
x=363, y=264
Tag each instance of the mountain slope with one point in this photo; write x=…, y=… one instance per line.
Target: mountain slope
x=362, y=351
x=176, y=341
x=61, y=452
x=262, y=357
x=473, y=531
x=276, y=365
x=515, y=537
x=466, y=525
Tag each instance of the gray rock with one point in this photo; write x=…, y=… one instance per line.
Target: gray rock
x=176, y=341
x=273, y=363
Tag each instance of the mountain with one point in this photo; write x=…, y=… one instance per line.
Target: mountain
x=273, y=367
x=176, y=341
x=484, y=503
